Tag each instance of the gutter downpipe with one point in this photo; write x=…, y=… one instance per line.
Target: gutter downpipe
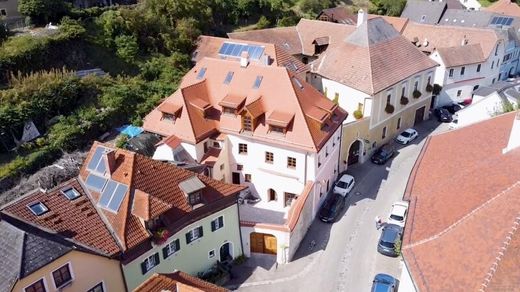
x=340, y=150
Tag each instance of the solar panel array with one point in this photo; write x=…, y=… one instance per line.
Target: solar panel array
x=235, y=50
x=113, y=195
x=97, y=163
x=95, y=182
x=500, y=20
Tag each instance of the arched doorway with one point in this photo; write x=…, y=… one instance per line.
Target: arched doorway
x=263, y=243
x=226, y=252
x=353, y=153
x=271, y=194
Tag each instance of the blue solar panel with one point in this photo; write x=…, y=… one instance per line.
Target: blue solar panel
x=95, y=182
x=493, y=20
x=102, y=167
x=94, y=161
x=503, y=21
x=235, y=50
x=509, y=21
x=223, y=49
x=107, y=193
x=202, y=72
x=117, y=198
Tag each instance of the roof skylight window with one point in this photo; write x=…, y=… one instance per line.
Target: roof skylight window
x=258, y=81
x=201, y=73
x=229, y=77
x=38, y=208
x=71, y=193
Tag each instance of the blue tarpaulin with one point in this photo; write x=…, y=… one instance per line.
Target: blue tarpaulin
x=129, y=130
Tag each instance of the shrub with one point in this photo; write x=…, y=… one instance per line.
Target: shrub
x=397, y=247
x=358, y=114
x=404, y=100
x=127, y=47
x=436, y=89
x=389, y=108
x=121, y=141
x=416, y=94
x=263, y=22
x=429, y=87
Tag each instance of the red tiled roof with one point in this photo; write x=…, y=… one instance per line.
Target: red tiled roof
x=277, y=82
x=464, y=199
x=506, y=7
x=171, y=141
x=75, y=220
x=285, y=37
x=170, y=282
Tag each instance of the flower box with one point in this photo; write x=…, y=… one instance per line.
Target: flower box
x=389, y=108
x=416, y=94
x=404, y=100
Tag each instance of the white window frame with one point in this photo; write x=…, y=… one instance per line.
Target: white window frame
x=169, y=245
x=451, y=72
x=102, y=286
x=212, y=256
x=217, y=228
x=147, y=260
x=417, y=81
x=192, y=232
x=44, y=284
x=71, y=276
x=404, y=86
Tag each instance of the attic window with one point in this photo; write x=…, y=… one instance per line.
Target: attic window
x=277, y=129
x=423, y=18
x=291, y=66
x=168, y=117
x=228, y=110
x=71, y=193
x=194, y=198
x=229, y=77
x=258, y=81
x=201, y=74
x=38, y=208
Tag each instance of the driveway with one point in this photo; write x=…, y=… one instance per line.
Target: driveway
x=345, y=256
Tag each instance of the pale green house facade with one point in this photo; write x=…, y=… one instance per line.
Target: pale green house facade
x=193, y=257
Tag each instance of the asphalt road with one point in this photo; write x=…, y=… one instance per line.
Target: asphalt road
x=348, y=259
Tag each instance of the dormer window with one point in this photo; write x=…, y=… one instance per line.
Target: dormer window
x=277, y=129
x=168, y=117
x=247, y=123
x=279, y=121
x=170, y=112
x=194, y=198
x=228, y=110
x=38, y=208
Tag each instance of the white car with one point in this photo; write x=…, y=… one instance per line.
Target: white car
x=344, y=185
x=454, y=124
x=398, y=213
x=407, y=136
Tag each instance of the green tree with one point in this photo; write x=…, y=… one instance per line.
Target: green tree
x=263, y=22
x=43, y=11
x=127, y=47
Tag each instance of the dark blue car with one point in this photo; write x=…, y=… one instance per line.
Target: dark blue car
x=384, y=283
x=390, y=235
x=331, y=208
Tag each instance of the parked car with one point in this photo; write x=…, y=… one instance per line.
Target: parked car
x=398, y=213
x=407, y=136
x=390, y=235
x=331, y=208
x=453, y=108
x=443, y=115
x=383, y=154
x=384, y=283
x=454, y=124
x=344, y=185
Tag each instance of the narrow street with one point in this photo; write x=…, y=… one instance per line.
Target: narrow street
x=345, y=255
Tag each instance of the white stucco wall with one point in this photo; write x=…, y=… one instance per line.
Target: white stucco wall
x=481, y=109
x=349, y=98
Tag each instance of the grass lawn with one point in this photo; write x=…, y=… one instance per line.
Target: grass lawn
x=485, y=3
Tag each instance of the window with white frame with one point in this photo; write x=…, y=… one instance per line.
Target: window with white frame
x=62, y=276
x=37, y=286
x=149, y=263
x=217, y=223
x=403, y=89
x=171, y=248
x=451, y=73
x=211, y=254
x=463, y=69
x=97, y=288
x=194, y=234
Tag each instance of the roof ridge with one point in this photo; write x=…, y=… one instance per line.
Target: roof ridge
x=464, y=218
x=502, y=250
x=186, y=106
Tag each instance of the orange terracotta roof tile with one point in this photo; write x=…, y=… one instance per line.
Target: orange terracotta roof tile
x=506, y=7
x=232, y=101
x=76, y=220
x=464, y=199
x=210, y=157
x=177, y=282
x=285, y=37
x=169, y=108
x=459, y=56
x=172, y=141
x=280, y=119
x=299, y=99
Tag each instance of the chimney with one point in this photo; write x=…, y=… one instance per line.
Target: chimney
x=110, y=161
x=425, y=42
x=514, y=136
x=266, y=60
x=361, y=17
x=464, y=41
x=244, y=59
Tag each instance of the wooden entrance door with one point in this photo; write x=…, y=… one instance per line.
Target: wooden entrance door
x=263, y=243
x=236, y=178
x=419, y=115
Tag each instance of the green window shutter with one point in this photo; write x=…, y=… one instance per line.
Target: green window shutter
x=143, y=268
x=188, y=238
x=165, y=252
x=213, y=225
x=156, y=257
x=177, y=244
x=200, y=231
x=221, y=221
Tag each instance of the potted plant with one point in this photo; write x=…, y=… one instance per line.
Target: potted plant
x=358, y=114
x=161, y=235
x=416, y=94
x=436, y=89
x=429, y=87
x=389, y=108
x=404, y=100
